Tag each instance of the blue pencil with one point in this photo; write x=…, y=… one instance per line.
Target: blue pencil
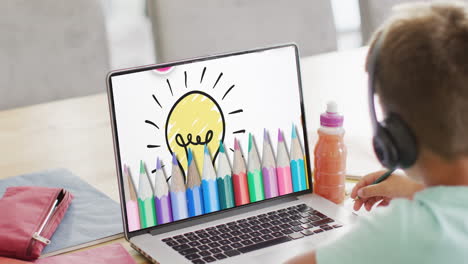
x=209, y=185
x=177, y=192
x=194, y=190
x=297, y=163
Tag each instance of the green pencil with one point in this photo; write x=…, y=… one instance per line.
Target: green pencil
x=383, y=177
x=224, y=179
x=146, y=199
x=254, y=173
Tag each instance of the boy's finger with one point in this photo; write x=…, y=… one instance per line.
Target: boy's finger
x=372, y=190
x=370, y=202
x=357, y=205
x=384, y=202
x=360, y=184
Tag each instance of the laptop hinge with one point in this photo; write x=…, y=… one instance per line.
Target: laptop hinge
x=222, y=214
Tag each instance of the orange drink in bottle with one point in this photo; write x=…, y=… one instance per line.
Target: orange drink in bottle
x=330, y=156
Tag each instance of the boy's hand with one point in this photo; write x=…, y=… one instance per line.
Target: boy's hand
x=395, y=186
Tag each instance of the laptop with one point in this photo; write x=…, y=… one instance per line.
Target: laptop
x=232, y=107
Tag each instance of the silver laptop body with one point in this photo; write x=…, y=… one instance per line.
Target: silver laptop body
x=152, y=242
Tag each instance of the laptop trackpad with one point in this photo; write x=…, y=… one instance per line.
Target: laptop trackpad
x=286, y=251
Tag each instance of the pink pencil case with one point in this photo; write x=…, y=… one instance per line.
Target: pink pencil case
x=29, y=217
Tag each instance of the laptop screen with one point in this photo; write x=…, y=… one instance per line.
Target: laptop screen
x=197, y=137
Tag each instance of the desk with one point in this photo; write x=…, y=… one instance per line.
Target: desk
x=76, y=134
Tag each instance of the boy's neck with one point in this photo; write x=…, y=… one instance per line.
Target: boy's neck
x=435, y=170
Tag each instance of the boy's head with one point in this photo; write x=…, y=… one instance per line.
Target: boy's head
x=423, y=74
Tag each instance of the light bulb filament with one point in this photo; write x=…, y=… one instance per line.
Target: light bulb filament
x=198, y=140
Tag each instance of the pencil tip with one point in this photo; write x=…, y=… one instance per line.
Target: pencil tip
x=127, y=170
x=142, y=167
x=190, y=156
x=293, y=133
x=250, y=141
x=280, y=136
x=265, y=136
x=158, y=164
x=174, y=158
x=221, y=147
x=236, y=144
x=206, y=150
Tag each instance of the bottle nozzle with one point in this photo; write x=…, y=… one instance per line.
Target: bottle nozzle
x=331, y=118
x=332, y=107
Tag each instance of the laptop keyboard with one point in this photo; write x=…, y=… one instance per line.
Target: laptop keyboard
x=249, y=234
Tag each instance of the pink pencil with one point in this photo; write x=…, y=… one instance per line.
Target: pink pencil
x=133, y=217
x=283, y=169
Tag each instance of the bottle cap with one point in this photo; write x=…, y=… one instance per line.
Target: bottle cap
x=331, y=118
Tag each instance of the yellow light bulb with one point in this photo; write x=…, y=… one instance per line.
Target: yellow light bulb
x=195, y=120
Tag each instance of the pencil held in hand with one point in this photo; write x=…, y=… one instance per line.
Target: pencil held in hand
x=380, y=179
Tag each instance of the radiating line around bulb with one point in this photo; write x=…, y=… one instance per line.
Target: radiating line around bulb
x=230, y=88
x=156, y=100
x=202, y=75
x=217, y=80
x=151, y=123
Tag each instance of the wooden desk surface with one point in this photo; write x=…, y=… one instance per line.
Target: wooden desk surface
x=75, y=133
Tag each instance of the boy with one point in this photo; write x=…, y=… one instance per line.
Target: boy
x=423, y=77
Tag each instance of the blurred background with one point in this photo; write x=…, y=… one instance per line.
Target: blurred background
x=53, y=49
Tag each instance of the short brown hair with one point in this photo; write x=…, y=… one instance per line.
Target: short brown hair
x=423, y=73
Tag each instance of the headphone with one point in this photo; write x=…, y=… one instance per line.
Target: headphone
x=394, y=143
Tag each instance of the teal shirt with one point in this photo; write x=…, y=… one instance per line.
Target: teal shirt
x=431, y=228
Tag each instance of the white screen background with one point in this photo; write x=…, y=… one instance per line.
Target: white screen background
x=266, y=89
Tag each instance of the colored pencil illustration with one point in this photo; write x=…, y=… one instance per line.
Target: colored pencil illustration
x=194, y=190
x=270, y=180
x=306, y=172
x=209, y=186
x=224, y=179
x=283, y=169
x=133, y=216
x=239, y=177
x=146, y=199
x=254, y=173
x=162, y=200
x=177, y=192
x=297, y=163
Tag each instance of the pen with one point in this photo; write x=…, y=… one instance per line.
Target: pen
x=380, y=179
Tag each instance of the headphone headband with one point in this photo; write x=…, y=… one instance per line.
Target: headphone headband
x=372, y=67
x=393, y=141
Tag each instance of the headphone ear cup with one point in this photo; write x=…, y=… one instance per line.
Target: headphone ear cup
x=384, y=148
x=403, y=140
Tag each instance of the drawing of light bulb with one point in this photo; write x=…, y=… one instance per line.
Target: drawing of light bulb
x=195, y=119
